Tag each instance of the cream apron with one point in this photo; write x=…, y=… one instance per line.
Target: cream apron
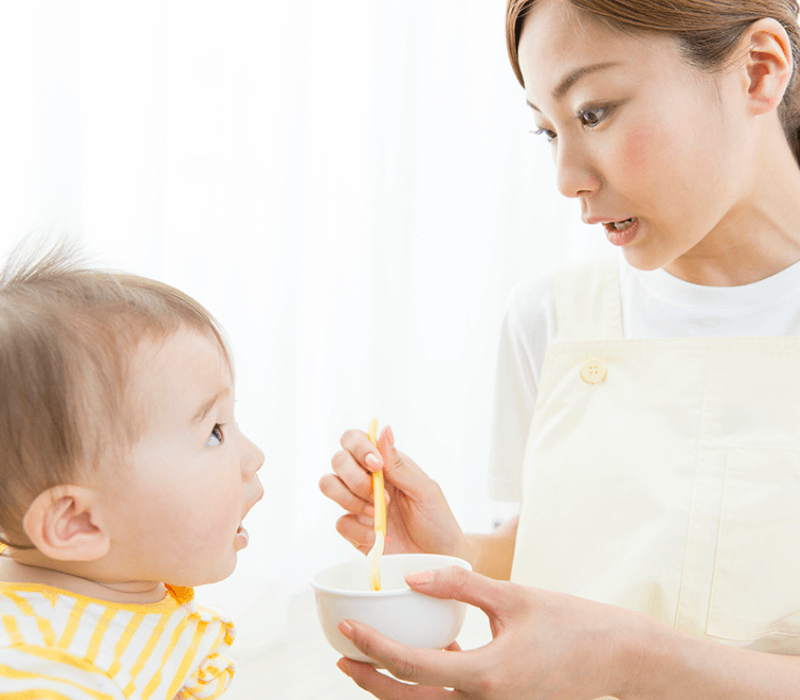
x=664, y=475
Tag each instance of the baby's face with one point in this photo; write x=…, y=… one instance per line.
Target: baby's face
x=177, y=507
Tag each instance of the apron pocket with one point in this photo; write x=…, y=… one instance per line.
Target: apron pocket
x=755, y=591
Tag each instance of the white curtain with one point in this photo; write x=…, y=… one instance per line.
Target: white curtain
x=350, y=187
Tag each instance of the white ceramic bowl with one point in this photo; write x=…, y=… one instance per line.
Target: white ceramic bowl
x=396, y=611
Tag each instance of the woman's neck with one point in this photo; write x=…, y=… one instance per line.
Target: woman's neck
x=759, y=236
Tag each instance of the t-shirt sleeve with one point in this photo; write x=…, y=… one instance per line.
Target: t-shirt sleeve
x=210, y=680
x=528, y=327
x=215, y=672
x=37, y=672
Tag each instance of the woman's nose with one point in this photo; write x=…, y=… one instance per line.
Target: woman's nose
x=575, y=174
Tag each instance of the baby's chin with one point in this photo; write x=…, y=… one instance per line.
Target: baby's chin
x=219, y=573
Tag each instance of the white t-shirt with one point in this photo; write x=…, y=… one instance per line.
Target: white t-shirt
x=654, y=305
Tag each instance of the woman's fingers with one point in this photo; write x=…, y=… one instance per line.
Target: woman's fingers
x=471, y=674
x=353, y=475
x=359, y=446
x=423, y=666
x=334, y=488
x=457, y=583
x=386, y=688
x=354, y=471
x=418, y=517
x=359, y=532
x=400, y=471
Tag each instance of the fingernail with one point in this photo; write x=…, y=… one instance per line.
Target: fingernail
x=342, y=665
x=390, y=435
x=346, y=629
x=419, y=578
x=373, y=461
x=386, y=496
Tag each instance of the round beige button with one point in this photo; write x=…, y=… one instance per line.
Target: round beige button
x=593, y=370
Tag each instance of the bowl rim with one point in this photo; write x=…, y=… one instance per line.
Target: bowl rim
x=451, y=561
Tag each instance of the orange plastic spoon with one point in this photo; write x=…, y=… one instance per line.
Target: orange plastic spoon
x=379, y=499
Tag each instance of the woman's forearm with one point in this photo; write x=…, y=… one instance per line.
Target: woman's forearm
x=553, y=645
x=662, y=663
x=491, y=554
x=666, y=664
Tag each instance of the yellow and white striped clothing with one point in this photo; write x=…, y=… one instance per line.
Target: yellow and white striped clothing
x=57, y=645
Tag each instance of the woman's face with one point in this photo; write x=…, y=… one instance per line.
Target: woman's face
x=651, y=146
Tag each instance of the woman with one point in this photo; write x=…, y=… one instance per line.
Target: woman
x=656, y=552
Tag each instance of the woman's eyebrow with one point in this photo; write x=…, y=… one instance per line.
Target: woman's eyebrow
x=571, y=78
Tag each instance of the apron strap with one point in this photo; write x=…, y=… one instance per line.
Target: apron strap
x=588, y=301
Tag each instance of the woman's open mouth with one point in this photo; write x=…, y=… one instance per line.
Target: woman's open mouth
x=622, y=232
x=622, y=225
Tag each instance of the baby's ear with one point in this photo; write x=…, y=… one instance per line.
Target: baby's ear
x=65, y=523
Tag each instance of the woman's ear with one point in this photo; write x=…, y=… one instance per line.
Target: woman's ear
x=65, y=523
x=768, y=63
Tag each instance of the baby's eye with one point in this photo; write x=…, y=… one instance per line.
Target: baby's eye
x=216, y=436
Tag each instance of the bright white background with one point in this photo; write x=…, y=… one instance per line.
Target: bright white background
x=350, y=187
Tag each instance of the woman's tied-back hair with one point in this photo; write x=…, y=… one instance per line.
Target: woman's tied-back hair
x=68, y=334
x=707, y=31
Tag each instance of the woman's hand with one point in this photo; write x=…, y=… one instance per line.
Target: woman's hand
x=546, y=645
x=418, y=518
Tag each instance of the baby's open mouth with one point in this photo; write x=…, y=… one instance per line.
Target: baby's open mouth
x=242, y=536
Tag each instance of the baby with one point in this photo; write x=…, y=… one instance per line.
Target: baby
x=124, y=480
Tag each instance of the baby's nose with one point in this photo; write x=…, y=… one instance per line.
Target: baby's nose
x=253, y=458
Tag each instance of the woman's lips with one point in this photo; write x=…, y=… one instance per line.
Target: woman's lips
x=625, y=233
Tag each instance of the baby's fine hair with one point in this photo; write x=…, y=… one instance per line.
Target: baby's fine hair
x=68, y=334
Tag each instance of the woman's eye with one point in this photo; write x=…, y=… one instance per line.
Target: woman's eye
x=547, y=133
x=592, y=117
x=216, y=436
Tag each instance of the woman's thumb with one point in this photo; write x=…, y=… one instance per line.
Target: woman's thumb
x=458, y=583
x=400, y=472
